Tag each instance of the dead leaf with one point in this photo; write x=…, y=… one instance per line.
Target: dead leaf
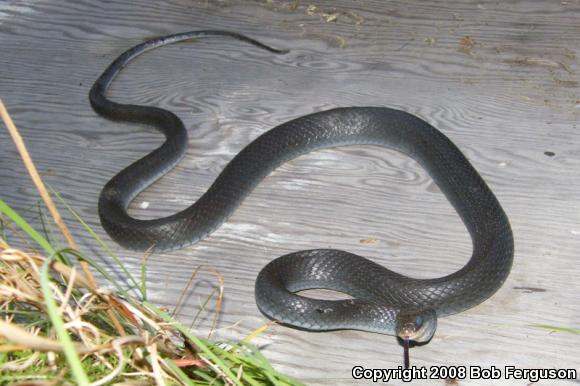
x=466, y=43
x=369, y=241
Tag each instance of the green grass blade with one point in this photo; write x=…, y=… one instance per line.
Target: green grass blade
x=98, y=239
x=569, y=330
x=99, y=269
x=18, y=220
x=241, y=359
x=202, y=375
x=196, y=341
x=58, y=324
x=144, y=277
x=257, y=360
x=262, y=361
x=47, y=229
x=178, y=372
x=202, y=308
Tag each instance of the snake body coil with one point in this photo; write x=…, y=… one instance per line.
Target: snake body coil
x=384, y=301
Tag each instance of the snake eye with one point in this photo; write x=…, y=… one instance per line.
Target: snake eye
x=418, y=321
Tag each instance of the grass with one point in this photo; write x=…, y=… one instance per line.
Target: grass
x=59, y=327
x=566, y=330
x=56, y=328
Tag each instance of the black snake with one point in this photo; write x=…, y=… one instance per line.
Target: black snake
x=383, y=301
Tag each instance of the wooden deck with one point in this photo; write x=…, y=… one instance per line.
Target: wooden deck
x=501, y=79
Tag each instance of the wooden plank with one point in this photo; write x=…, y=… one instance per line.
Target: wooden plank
x=500, y=79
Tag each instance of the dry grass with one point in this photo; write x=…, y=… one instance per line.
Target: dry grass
x=152, y=348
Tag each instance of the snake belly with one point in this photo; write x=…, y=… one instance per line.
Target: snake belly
x=380, y=296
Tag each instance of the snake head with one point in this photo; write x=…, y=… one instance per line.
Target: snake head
x=418, y=326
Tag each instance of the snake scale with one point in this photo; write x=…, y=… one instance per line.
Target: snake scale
x=382, y=301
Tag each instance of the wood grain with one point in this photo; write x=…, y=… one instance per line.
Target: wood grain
x=505, y=99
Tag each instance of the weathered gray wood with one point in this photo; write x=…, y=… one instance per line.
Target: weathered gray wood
x=505, y=95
